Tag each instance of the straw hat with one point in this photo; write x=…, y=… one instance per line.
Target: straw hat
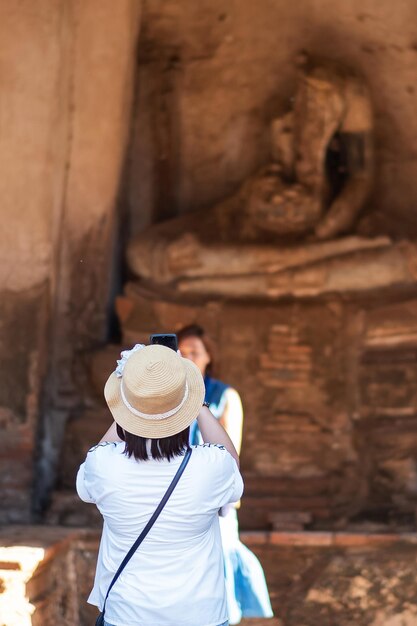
x=156, y=393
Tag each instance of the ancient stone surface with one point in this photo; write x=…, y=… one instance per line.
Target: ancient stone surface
x=369, y=587
x=322, y=438
x=104, y=44
x=387, y=405
x=35, y=52
x=81, y=433
x=44, y=578
x=249, y=244
x=22, y=367
x=307, y=377
x=301, y=366
x=317, y=184
x=211, y=79
x=339, y=579
x=324, y=184
x=61, y=153
x=47, y=574
x=211, y=76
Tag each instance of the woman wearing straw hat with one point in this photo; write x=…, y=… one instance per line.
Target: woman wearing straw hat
x=246, y=588
x=160, y=560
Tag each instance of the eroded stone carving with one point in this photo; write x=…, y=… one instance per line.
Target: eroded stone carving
x=281, y=232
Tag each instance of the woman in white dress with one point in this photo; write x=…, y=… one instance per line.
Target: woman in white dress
x=176, y=576
x=247, y=592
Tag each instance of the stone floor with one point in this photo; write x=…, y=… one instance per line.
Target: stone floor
x=339, y=579
x=315, y=579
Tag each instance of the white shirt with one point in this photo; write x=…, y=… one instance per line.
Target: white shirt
x=176, y=577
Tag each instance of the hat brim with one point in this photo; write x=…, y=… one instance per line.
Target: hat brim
x=157, y=428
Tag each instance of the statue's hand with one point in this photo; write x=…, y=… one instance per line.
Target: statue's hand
x=341, y=216
x=184, y=255
x=282, y=208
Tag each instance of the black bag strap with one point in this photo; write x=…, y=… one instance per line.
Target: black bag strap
x=150, y=523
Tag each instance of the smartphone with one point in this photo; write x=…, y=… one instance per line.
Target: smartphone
x=165, y=339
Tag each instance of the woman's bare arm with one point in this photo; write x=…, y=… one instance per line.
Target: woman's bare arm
x=213, y=432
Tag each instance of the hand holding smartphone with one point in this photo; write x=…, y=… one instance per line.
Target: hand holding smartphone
x=165, y=339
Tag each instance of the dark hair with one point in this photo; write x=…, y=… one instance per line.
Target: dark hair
x=194, y=330
x=164, y=448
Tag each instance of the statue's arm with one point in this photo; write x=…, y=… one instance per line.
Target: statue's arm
x=343, y=212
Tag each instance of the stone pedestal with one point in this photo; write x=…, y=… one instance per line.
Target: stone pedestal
x=328, y=389
x=46, y=575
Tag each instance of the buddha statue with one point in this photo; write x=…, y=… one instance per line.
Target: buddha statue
x=289, y=229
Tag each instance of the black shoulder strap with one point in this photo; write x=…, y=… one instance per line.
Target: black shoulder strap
x=150, y=523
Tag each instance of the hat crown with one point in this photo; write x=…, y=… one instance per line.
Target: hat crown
x=154, y=380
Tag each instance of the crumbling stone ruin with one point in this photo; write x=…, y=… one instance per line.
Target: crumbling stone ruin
x=250, y=167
